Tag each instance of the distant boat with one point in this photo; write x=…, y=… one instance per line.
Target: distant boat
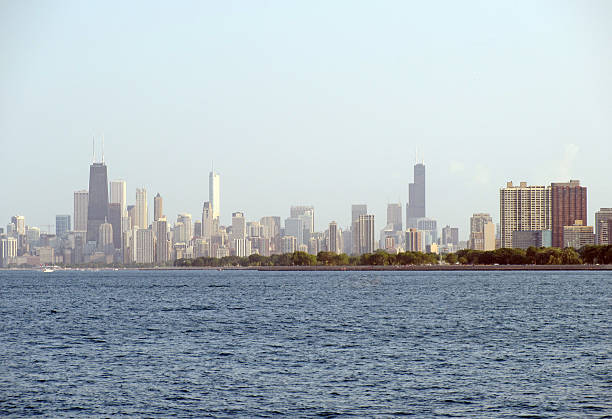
x=47, y=270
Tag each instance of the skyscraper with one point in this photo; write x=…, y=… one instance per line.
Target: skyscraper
x=415, y=208
x=334, y=238
x=394, y=216
x=295, y=227
x=141, y=211
x=238, y=226
x=118, y=195
x=105, y=238
x=161, y=244
x=97, y=209
x=144, y=246
x=568, y=205
x=414, y=240
x=81, y=203
x=207, y=221
x=62, y=225
x=187, y=222
x=603, y=218
x=482, y=232
x=365, y=233
x=523, y=208
x=213, y=193
x=19, y=221
x=356, y=211
x=114, y=218
x=158, y=207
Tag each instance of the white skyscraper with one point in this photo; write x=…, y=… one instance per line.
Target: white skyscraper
x=81, y=204
x=207, y=221
x=142, y=215
x=118, y=195
x=213, y=193
x=145, y=249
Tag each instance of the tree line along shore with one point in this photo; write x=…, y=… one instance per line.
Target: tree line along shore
x=587, y=255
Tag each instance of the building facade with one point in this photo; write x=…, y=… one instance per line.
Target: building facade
x=415, y=208
x=523, y=208
x=568, y=205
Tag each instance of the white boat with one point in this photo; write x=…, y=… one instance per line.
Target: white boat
x=47, y=270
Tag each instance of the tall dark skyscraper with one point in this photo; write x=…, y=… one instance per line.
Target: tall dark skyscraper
x=568, y=203
x=415, y=208
x=97, y=210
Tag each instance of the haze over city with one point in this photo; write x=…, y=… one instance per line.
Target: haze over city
x=320, y=104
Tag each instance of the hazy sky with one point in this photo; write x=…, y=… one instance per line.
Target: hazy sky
x=311, y=102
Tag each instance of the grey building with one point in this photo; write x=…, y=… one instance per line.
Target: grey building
x=62, y=225
x=415, y=208
x=531, y=238
x=97, y=209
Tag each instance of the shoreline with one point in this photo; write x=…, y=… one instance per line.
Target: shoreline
x=322, y=268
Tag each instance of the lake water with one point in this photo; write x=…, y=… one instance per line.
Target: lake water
x=247, y=344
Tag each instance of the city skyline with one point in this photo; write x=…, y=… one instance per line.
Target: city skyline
x=291, y=115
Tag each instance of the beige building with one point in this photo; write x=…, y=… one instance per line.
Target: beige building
x=523, y=208
x=414, y=240
x=81, y=204
x=141, y=212
x=603, y=221
x=482, y=232
x=144, y=246
x=578, y=235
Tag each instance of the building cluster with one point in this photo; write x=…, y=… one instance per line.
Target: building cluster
x=107, y=230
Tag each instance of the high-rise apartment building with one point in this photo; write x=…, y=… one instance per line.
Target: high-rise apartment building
x=97, y=209
x=357, y=210
x=214, y=194
x=523, y=208
x=415, y=208
x=414, y=240
x=307, y=214
x=334, y=238
x=568, y=205
x=105, y=238
x=482, y=232
x=207, y=221
x=114, y=218
x=450, y=236
x=295, y=227
x=161, y=242
x=238, y=226
x=394, y=216
x=187, y=222
x=118, y=195
x=365, y=234
x=19, y=221
x=603, y=218
x=144, y=246
x=158, y=207
x=62, y=225
x=141, y=211
x=81, y=204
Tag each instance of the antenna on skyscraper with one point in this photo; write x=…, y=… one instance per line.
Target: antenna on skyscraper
x=102, y=148
x=93, y=149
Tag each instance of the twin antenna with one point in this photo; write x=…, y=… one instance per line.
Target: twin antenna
x=93, y=149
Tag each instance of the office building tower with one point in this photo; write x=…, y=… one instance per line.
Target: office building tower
x=105, y=238
x=62, y=225
x=242, y=247
x=19, y=221
x=144, y=246
x=295, y=227
x=161, y=242
x=430, y=227
x=213, y=194
x=131, y=211
x=394, y=216
x=288, y=244
x=307, y=214
x=271, y=226
x=81, y=204
x=158, y=207
x=32, y=235
x=414, y=240
x=603, y=217
x=97, y=209
x=197, y=229
x=207, y=221
x=415, y=208
x=185, y=219
x=450, y=236
x=141, y=212
x=523, y=208
x=334, y=238
x=568, y=205
x=365, y=234
x=578, y=235
x=238, y=226
x=534, y=238
x=114, y=219
x=8, y=251
x=357, y=210
x=118, y=195
x=482, y=232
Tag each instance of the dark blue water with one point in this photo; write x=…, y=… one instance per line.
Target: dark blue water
x=207, y=343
